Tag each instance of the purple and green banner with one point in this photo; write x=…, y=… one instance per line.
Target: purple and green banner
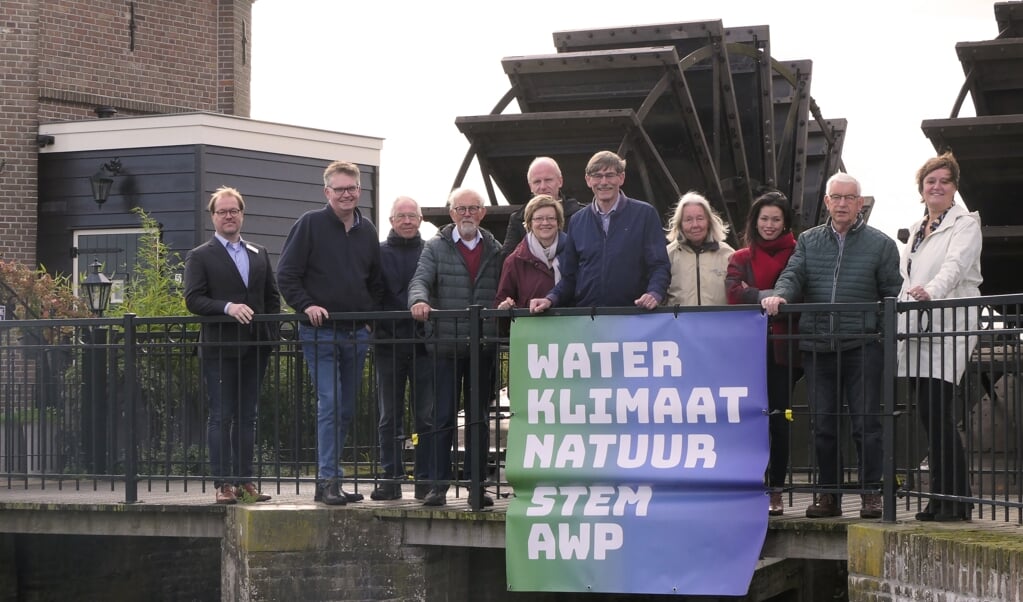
x=636, y=449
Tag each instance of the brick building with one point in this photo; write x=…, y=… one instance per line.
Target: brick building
x=62, y=59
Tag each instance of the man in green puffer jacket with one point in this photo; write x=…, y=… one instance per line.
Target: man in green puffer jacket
x=458, y=268
x=842, y=261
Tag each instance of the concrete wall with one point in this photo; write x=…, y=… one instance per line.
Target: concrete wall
x=71, y=567
x=936, y=563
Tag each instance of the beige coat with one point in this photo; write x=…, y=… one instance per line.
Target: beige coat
x=697, y=278
x=947, y=265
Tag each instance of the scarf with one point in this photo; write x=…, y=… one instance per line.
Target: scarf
x=921, y=234
x=768, y=259
x=548, y=256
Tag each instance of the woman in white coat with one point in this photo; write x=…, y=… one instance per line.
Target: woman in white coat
x=941, y=261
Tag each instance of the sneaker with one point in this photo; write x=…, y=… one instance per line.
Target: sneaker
x=776, y=507
x=824, y=506
x=870, y=506
x=225, y=494
x=247, y=492
x=386, y=491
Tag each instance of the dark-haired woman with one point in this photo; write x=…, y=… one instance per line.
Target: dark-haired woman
x=752, y=272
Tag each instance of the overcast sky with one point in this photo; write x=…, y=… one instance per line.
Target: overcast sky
x=404, y=70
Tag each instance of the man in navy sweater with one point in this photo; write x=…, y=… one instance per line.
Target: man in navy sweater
x=402, y=364
x=330, y=263
x=616, y=253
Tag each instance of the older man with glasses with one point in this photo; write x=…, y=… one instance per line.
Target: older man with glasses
x=459, y=267
x=403, y=365
x=615, y=254
x=330, y=263
x=842, y=261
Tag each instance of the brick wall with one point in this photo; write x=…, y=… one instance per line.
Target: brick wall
x=59, y=59
x=19, y=40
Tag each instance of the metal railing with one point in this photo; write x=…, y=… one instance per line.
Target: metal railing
x=108, y=401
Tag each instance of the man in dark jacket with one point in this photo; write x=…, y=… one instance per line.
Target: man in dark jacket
x=616, y=253
x=231, y=276
x=544, y=177
x=331, y=263
x=402, y=363
x=842, y=261
x=459, y=267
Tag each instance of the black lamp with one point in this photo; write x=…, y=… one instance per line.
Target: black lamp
x=97, y=289
x=102, y=180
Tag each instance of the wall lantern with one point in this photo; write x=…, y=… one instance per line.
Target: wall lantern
x=102, y=180
x=97, y=289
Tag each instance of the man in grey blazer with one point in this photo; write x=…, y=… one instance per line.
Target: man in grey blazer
x=231, y=276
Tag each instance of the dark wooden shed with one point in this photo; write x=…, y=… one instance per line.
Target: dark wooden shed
x=169, y=166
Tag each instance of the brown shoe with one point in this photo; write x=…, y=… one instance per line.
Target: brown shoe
x=871, y=505
x=777, y=507
x=225, y=494
x=247, y=492
x=825, y=506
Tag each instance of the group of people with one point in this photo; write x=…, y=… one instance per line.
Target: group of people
x=611, y=252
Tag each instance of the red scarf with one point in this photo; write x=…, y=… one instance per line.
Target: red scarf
x=768, y=259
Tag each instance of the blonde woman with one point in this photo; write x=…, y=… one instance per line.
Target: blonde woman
x=698, y=254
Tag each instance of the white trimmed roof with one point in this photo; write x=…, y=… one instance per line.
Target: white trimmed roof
x=214, y=129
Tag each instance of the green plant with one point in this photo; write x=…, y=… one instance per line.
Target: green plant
x=153, y=291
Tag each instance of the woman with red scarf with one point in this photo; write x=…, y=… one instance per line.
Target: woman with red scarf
x=752, y=272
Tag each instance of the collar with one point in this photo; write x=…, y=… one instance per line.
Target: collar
x=225, y=242
x=617, y=205
x=455, y=236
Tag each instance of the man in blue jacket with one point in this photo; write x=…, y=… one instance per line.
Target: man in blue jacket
x=331, y=263
x=616, y=253
x=402, y=364
x=842, y=261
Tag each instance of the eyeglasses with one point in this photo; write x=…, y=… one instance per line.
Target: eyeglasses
x=467, y=209
x=843, y=197
x=223, y=212
x=543, y=219
x=400, y=217
x=345, y=189
x=607, y=175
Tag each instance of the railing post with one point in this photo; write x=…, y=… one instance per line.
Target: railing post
x=889, y=321
x=475, y=409
x=131, y=494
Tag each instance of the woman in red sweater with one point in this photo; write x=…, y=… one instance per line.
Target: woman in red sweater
x=533, y=268
x=752, y=272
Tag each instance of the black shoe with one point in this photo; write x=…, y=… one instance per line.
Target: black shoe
x=926, y=515
x=438, y=496
x=329, y=493
x=959, y=512
x=485, y=500
x=386, y=491
x=349, y=496
x=423, y=490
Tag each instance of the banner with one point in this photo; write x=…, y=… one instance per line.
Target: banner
x=636, y=448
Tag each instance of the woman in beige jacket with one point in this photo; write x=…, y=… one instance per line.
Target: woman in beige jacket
x=698, y=253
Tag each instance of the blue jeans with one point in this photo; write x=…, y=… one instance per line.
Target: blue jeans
x=855, y=375
x=232, y=385
x=453, y=378
x=335, y=359
x=400, y=367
